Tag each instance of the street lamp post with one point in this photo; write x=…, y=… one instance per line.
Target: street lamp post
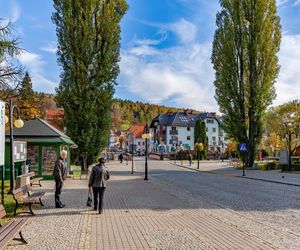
x=132, y=153
x=146, y=136
x=18, y=124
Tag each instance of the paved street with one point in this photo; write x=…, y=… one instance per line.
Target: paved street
x=176, y=209
x=222, y=168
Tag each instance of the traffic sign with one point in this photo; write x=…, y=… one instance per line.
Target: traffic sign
x=243, y=147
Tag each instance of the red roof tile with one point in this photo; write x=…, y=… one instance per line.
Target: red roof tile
x=137, y=130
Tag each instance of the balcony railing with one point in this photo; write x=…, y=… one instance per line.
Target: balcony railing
x=173, y=132
x=173, y=141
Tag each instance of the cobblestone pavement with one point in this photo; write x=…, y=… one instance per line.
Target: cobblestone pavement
x=219, y=167
x=67, y=228
x=163, y=213
x=176, y=209
x=269, y=210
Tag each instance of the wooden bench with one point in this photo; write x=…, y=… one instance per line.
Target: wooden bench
x=22, y=196
x=10, y=230
x=35, y=181
x=234, y=162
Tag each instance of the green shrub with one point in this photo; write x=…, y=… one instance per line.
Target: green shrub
x=294, y=167
x=268, y=166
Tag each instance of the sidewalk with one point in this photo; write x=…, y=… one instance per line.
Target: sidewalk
x=138, y=215
x=145, y=215
x=221, y=168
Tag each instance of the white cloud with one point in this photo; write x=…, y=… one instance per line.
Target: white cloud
x=34, y=64
x=10, y=12
x=185, y=30
x=280, y=2
x=50, y=47
x=184, y=75
x=181, y=75
x=297, y=2
x=15, y=11
x=288, y=83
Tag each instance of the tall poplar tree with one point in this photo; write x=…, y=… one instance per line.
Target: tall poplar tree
x=245, y=59
x=88, y=35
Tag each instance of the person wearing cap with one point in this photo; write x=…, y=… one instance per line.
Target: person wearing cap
x=98, y=182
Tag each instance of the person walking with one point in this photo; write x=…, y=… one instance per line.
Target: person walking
x=60, y=175
x=121, y=158
x=97, y=182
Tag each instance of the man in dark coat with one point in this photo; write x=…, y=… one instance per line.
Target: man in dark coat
x=98, y=179
x=60, y=175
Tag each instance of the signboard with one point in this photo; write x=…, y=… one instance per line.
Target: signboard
x=284, y=157
x=20, y=151
x=2, y=133
x=243, y=147
x=75, y=171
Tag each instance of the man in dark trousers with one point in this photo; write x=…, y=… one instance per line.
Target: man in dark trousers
x=60, y=175
x=98, y=181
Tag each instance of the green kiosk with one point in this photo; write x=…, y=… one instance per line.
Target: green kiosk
x=44, y=143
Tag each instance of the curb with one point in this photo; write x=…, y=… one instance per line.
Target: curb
x=237, y=176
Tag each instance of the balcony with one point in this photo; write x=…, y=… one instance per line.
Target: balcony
x=173, y=132
x=173, y=141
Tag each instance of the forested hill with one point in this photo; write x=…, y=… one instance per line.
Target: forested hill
x=126, y=113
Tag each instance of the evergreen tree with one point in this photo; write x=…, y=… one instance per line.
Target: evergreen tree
x=245, y=45
x=88, y=34
x=200, y=136
x=28, y=100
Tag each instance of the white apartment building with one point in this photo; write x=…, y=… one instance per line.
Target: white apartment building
x=175, y=130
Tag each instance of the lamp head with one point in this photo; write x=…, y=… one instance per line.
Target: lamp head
x=19, y=123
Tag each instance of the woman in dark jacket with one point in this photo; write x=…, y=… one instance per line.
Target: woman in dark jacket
x=98, y=180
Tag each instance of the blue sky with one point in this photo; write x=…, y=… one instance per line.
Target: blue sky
x=166, y=49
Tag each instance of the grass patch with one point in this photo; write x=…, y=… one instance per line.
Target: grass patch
x=9, y=202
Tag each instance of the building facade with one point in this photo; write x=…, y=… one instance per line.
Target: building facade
x=171, y=131
x=134, y=139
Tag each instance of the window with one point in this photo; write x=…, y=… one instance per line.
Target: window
x=214, y=138
x=188, y=128
x=143, y=143
x=173, y=128
x=183, y=119
x=214, y=130
x=211, y=121
x=139, y=143
x=188, y=138
x=206, y=129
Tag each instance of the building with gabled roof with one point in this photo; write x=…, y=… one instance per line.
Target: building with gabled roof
x=44, y=143
x=176, y=129
x=134, y=139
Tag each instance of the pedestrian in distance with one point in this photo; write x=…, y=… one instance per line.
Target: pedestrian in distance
x=190, y=159
x=121, y=158
x=60, y=175
x=98, y=182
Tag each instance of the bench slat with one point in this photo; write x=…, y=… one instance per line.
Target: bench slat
x=10, y=230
